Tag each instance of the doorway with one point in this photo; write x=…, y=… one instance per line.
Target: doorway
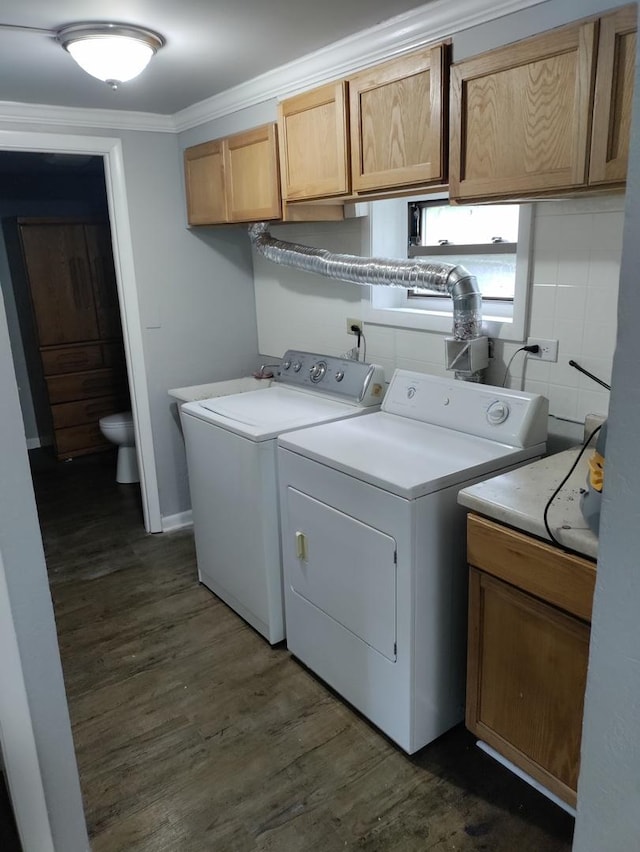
x=58, y=283
x=110, y=151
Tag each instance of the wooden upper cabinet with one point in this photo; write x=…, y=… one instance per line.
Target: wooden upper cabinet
x=252, y=175
x=314, y=149
x=613, y=96
x=234, y=179
x=397, y=120
x=521, y=116
x=204, y=182
x=60, y=282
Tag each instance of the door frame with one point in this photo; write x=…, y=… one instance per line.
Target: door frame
x=110, y=149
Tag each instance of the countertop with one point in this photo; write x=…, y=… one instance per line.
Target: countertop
x=213, y=389
x=518, y=499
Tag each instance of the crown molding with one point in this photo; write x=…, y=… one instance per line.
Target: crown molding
x=433, y=22
x=78, y=117
x=430, y=23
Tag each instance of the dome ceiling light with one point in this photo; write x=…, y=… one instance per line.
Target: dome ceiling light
x=113, y=53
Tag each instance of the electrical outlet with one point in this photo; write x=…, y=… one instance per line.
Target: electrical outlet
x=351, y=322
x=548, y=349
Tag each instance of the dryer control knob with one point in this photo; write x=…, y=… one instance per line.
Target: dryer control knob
x=296, y=366
x=286, y=365
x=497, y=412
x=339, y=375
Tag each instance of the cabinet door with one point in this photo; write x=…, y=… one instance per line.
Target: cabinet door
x=397, y=113
x=312, y=129
x=613, y=97
x=103, y=275
x=521, y=116
x=251, y=175
x=204, y=182
x=59, y=282
x=526, y=677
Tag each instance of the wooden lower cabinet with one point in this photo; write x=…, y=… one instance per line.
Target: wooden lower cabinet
x=84, y=383
x=527, y=656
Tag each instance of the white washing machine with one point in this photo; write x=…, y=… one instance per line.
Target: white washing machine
x=231, y=460
x=373, y=543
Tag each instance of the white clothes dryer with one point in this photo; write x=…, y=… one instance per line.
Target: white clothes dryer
x=373, y=543
x=231, y=461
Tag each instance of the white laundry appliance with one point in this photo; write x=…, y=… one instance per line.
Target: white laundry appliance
x=231, y=461
x=373, y=542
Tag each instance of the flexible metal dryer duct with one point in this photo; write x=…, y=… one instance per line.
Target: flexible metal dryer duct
x=384, y=272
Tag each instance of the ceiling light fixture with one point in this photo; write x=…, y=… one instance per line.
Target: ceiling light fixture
x=113, y=53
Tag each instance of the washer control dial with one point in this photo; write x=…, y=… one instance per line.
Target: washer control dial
x=318, y=370
x=286, y=365
x=296, y=366
x=339, y=375
x=497, y=412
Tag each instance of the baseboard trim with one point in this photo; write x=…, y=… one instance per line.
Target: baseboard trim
x=179, y=521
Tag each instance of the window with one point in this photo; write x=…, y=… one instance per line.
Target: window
x=490, y=241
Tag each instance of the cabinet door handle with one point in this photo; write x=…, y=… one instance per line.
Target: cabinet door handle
x=301, y=546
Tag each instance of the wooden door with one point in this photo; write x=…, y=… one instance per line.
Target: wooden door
x=397, y=119
x=252, y=177
x=521, y=116
x=613, y=97
x=314, y=148
x=60, y=282
x=204, y=183
x=103, y=276
x=526, y=677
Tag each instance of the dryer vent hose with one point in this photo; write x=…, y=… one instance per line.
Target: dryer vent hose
x=456, y=281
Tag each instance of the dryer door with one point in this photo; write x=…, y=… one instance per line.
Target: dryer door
x=345, y=569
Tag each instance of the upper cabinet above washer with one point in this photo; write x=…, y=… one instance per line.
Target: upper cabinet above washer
x=523, y=120
x=314, y=144
x=397, y=122
x=234, y=179
x=382, y=129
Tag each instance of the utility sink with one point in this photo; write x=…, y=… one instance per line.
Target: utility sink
x=213, y=389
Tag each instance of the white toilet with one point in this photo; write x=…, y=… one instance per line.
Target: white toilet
x=118, y=428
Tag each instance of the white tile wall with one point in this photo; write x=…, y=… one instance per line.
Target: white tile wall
x=574, y=293
x=576, y=258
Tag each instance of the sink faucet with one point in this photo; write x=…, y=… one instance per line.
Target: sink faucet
x=262, y=374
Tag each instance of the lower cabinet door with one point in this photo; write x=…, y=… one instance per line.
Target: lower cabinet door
x=526, y=677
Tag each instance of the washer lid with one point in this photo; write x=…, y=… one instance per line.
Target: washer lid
x=263, y=414
x=404, y=456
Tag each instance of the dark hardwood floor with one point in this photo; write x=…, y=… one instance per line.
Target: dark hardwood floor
x=192, y=734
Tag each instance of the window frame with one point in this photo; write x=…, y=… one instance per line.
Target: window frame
x=391, y=306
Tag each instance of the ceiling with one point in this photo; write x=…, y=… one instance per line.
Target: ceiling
x=211, y=46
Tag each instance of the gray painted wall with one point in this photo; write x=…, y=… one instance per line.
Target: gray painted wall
x=610, y=770
x=196, y=297
x=23, y=558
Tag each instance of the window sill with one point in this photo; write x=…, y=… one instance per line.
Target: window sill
x=441, y=322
